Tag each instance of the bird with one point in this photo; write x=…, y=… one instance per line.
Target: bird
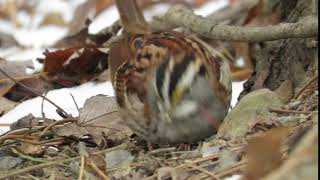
x=170, y=88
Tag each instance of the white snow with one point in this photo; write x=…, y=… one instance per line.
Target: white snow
x=234, y=177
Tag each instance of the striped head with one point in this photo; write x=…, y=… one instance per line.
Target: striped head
x=170, y=88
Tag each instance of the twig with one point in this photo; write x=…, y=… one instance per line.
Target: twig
x=233, y=168
x=56, y=123
x=27, y=157
x=59, y=161
x=90, y=120
x=98, y=171
x=23, y=130
x=179, y=16
x=289, y=111
x=123, y=165
x=44, y=143
x=297, y=96
x=39, y=166
x=75, y=103
x=200, y=160
x=81, y=172
x=214, y=176
x=162, y=150
x=13, y=136
x=32, y=91
x=42, y=105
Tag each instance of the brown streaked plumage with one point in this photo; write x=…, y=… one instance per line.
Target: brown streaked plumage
x=170, y=88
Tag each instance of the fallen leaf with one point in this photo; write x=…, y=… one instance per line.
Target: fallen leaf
x=29, y=149
x=80, y=17
x=74, y=66
x=254, y=11
x=263, y=13
x=17, y=93
x=264, y=121
x=29, y=121
x=121, y=160
x=98, y=118
x=6, y=105
x=15, y=69
x=83, y=38
x=264, y=153
x=24, y=122
x=303, y=162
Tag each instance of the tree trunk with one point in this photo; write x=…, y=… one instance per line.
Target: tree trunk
x=290, y=59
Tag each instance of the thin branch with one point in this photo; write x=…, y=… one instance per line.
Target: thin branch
x=30, y=158
x=288, y=111
x=81, y=172
x=179, y=16
x=301, y=91
x=90, y=120
x=56, y=123
x=32, y=91
x=98, y=171
x=75, y=103
x=212, y=175
x=42, y=105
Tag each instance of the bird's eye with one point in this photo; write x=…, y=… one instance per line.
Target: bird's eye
x=138, y=42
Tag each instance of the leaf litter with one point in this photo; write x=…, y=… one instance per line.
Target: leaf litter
x=97, y=145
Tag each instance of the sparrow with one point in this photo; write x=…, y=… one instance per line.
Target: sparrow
x=169, y=87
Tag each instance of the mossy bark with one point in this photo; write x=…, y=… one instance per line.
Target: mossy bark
x=290, y=59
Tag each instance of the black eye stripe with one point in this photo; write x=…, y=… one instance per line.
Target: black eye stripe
x=178, y=72
x=148, y=56
x=160, y=75
x=202, y=71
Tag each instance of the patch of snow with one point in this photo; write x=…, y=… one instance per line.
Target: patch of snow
x=237, y=88
x=62, y=98
x=4, y=129
x=104, y=19
x=234, y=177
x=43, y=36
x=211, y=7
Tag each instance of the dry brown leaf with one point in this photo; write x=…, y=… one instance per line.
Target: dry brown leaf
x=29, y=121
x=263, y=13
x=264, y=121
x=35, y=82
x=14, y=68
x=80, y=17
x=240, y=74
x=264, y=153
x=74, y=66
x=98, y=118
x=6, y=105
x=302, y=163
x=30, y=149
